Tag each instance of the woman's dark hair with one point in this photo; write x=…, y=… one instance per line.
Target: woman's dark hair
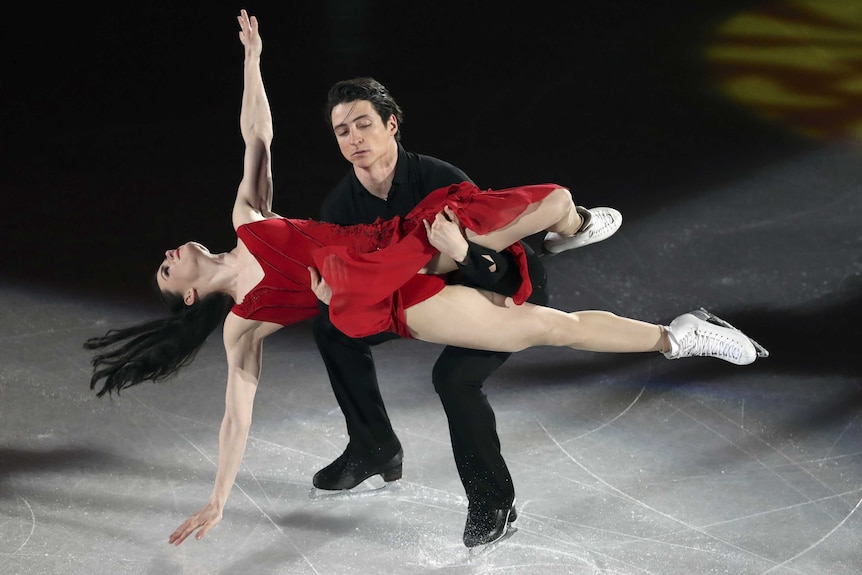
x=157, y=349
x=364, y=89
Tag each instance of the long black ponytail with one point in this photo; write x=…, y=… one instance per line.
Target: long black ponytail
x=157, y=349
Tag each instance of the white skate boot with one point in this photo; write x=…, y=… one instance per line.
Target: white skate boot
x=599, y=224
x=703, y=334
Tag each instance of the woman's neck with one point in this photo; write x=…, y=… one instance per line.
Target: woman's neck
x=221, y=275
x=247, y=272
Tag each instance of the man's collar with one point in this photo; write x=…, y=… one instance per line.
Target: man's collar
x=402, y=169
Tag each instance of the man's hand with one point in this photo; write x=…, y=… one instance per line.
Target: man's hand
x=319, y=286
x=445, y=234
x=203, y=520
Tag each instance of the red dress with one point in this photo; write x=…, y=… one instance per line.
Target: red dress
x=371, y=268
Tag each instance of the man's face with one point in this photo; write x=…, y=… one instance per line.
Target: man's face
x=362, y=136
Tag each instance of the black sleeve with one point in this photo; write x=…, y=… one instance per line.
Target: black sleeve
x=500, y=274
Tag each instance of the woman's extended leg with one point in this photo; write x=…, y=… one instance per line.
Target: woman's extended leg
x=470, y=318
x=474, y=319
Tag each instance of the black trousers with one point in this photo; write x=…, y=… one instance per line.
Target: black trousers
x=458, y=377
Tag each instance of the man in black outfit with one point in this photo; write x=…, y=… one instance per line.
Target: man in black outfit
x=386, y=180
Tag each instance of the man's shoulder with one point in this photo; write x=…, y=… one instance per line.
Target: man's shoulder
x=435, y=169
x=425, y=159
x=335, y=200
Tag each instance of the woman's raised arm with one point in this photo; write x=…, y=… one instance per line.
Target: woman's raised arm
x=254, y=195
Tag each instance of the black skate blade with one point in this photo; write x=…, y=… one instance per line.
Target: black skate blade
x=475, y=553
x=367, y=488
x=707, y=315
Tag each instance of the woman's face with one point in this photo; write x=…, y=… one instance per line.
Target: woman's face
x=180, y=269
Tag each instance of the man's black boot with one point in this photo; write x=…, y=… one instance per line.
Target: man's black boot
x=486, y=525
x=353, y=467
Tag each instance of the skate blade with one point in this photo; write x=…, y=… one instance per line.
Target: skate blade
x=365, y=489
x=475, y=553
x=711, y=317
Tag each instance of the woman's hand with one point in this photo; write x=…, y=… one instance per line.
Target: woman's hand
x=248, y=33
x=203, y=520
x=445, y=234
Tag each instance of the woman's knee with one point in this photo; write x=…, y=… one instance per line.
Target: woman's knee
x=561, y=198
x=562, y=206
x=561, y=329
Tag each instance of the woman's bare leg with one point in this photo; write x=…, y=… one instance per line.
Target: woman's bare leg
x=470, y=318
x=555, y=212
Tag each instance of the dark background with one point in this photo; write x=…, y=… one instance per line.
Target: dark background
x=120, y=125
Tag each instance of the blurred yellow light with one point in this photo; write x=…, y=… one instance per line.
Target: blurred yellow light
x=795, y=62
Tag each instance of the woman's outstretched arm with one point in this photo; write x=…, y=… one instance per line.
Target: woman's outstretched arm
x=243, y=341
x=254, y=195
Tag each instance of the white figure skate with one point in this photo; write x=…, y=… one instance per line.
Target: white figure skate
x=704, y=334
x=599, y=224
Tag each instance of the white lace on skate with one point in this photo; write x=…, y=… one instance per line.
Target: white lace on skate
x=604, y=222
x=692, y=335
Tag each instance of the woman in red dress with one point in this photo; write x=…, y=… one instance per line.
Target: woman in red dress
x=378, y=277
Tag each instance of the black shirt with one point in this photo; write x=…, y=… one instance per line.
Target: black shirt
x=416, y=176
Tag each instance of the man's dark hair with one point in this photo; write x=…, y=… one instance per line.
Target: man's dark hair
x=364, y=89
